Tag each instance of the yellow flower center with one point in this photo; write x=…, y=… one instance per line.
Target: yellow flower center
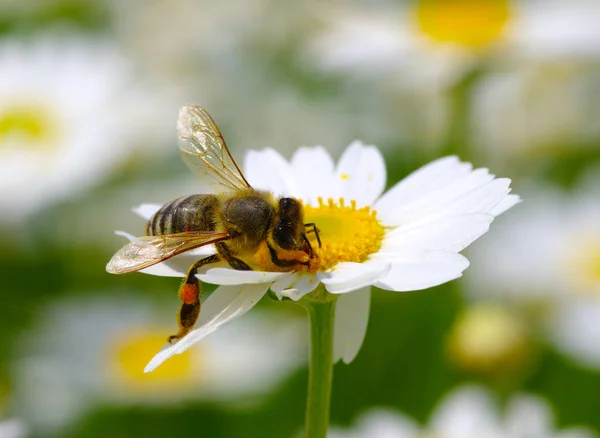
x=583, y=264
x=348, y=234
x=131, y=354
x=470, y=23
x=30, y=124
x=488, y=339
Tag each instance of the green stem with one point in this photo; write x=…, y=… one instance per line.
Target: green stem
x=320, y=371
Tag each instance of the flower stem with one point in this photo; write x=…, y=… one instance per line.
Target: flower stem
x=320, y=371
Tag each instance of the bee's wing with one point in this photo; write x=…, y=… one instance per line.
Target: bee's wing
x=204, y=151
x=150, y=250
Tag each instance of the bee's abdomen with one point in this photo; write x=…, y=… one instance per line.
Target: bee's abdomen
x=190, y=213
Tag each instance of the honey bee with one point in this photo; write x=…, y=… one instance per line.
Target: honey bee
x=240, y=221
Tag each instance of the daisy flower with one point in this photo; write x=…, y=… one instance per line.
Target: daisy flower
x=69, y=115
x=434, y=42
x=424, y=57
x=467, y=412
x=548, y=266
x=55, y=383
x=408, y=238
x=531, y=110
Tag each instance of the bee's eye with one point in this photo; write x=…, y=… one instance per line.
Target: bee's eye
x=284, y=237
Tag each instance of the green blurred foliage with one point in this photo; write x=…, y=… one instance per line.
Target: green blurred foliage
x=403, y=363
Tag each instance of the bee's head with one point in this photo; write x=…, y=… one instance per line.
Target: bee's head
x=289, y=232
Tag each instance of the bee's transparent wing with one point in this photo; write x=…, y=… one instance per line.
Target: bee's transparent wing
x=204, y=151
x=150, y=250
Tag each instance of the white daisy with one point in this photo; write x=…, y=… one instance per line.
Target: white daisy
x=433, y=42
x=406, y=239
x=467, y=412
x=55, y=383
x=180, y=45
x=69, y=114
x=413, y=54
x=12, y=428
x=549, y=260
x=532, y=109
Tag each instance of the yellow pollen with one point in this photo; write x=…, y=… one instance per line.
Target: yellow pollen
x=348, y=233
x=345, y=176
x=470, y=23
x=31, y=124
x=132, y=353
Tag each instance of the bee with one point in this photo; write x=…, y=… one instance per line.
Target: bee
x=249, y=228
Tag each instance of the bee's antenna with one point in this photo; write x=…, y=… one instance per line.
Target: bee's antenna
x=314, y=230
x=312, y=252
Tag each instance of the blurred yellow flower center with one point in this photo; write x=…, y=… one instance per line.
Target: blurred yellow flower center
x=348, y=234
x=470, y=23
x=584, y=264
x=132, y=353
x=28, y=123
x=488, y=339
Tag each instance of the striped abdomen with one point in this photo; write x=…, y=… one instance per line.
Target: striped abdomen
x=190, y=213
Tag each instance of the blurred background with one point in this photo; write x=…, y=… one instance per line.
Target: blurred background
x=89, y=94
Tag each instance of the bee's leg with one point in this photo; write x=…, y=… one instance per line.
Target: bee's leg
x=235, y=263
x=190, y=292
x=284, y=263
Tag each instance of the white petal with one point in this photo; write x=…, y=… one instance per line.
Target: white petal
x=13, y=428
x=420, y=269
x=348, y=276
x=268, y=170
x=126, y=235
x=381, y=423
x=506, y=203
x=229, y=276
x=467, y=411
x=438, y=201
x=481, y=200
x=574, y=330
x=295, y=286
x=146, y=210
x=351, y=320
x=528, y=416
x=361, y=173
x=165, y=270
x=223, y=305
x=314, y=167
x=422, y=182
x=449, y=234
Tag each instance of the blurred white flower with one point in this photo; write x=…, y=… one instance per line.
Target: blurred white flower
x=12, y=428
x=93, y=350
x=546, y=258
x=418, y=51
x=406, y=239
x=70, y=114
x=425, y=44
x=433, y=42
x=533, y=109
x=467, y=412
x=549, y=30
x=196, y=35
